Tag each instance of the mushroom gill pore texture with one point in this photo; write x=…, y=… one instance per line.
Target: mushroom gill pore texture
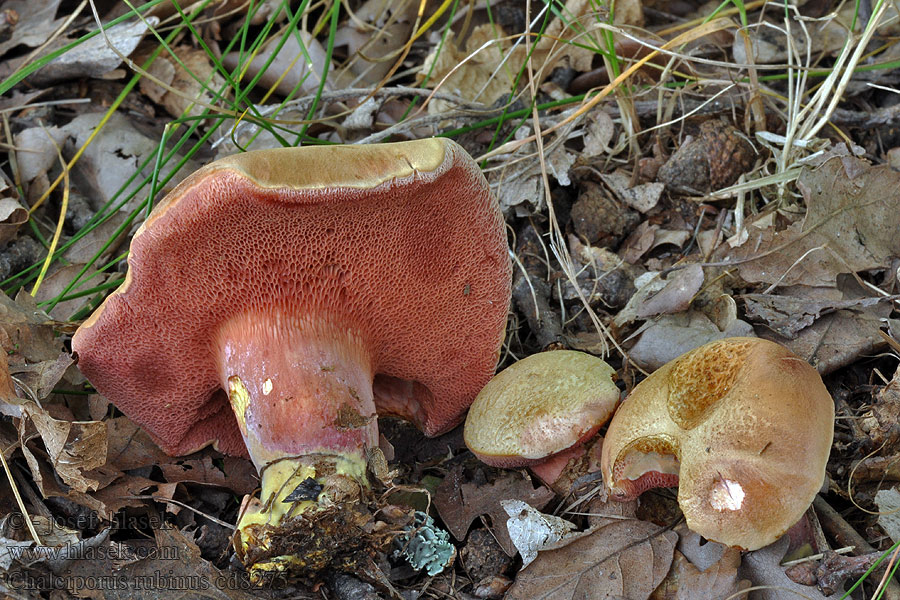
x=277, y=301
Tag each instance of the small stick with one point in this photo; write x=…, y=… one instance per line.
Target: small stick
x=834, y=524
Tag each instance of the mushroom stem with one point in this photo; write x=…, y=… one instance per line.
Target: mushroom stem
x=302, y=394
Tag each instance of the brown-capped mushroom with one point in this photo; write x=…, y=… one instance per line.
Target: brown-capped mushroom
x=742, y=426
x=539, y=407
x=305, y=291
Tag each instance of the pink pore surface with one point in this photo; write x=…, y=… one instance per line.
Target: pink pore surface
x=625, y=489
x=418, y=267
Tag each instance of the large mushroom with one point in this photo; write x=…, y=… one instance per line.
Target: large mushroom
x=742, y=426
x=278, y=300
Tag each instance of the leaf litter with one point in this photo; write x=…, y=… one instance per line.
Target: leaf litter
x=658, y=254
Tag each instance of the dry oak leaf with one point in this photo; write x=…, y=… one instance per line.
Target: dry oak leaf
x=707, y=571
x=624, y=559
x=851, y=223
x=763, y=568
x=459, y=503
x=837, y=339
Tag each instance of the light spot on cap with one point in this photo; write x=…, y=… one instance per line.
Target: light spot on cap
x=267, y=387
x=726, y=495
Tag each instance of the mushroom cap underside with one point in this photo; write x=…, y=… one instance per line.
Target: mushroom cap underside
x=403, y=244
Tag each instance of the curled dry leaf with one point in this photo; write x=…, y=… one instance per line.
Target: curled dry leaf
x=656, y=296
x=676, y=296
x=94, y=58
x=837, y=339
x=190, y=73
x=12, y=213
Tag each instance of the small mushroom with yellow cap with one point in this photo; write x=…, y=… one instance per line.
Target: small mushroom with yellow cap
x=742, y=426
x=540, y=407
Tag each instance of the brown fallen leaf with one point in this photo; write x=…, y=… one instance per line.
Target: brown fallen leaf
x=130, y=447
x=625, y=559
x=459, y=503
x=835, y=340
x=853, y=214
x=194, y=76
x=236, y=474
x=763, y=568
x=75, y=448
x=707, y=571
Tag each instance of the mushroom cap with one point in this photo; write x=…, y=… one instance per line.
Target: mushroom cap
x=751, y=425
x=540, y=406
x=403, y=244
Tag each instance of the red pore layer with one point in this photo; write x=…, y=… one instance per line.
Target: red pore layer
x=416, y=268
x=629, y=489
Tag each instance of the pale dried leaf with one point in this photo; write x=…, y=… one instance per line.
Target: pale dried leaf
x=670, y=336
x=36, y=23
x=642, y=198
x=36, y=150
x=531, y=531
x=301, y=60
x=888, y=502
x=94, y=57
